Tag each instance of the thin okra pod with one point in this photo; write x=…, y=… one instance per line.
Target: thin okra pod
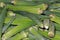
x=51, y=32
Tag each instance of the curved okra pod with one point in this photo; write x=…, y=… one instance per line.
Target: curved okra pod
x=51, y=32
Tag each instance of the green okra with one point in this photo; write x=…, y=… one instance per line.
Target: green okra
x=55, y=18
x=32, y=9
x=21, y=3
x=51, y=32
x=55, y=10
x=36, y=18
x=35, y=33
x=31, y=2
x=2, y=19
x=19, y=36
x=22, y=24
x=10, y=27
x=43, y=33
x=57, y=26
x=8, y=24
x=52, y=12
x=54, y=6
x=26, y=39
x=31, y=37
x=56, y=36
x=31, y=16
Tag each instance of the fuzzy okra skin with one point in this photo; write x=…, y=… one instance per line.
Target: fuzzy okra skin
x=32, y=9
x=22, y=23
x=2, y=19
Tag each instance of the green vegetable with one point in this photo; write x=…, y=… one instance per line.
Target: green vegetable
x=2, y=19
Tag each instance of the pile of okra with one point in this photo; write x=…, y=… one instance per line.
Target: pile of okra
x=29, y=19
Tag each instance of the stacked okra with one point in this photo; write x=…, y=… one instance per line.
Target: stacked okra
x=29, y=20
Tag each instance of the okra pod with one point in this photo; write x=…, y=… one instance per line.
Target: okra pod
x=2, y=19
x=22, y=24
x=8, y=24
x=19, y=36
x=52, y=12
x=35, y=33
x=32, y=9
x=57, y=26
x=56, y=36
x=31, y=37
x=55, y=18
x=51, y=32
x=54, y=6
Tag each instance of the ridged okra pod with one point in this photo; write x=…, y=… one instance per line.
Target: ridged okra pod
x=2, y=19
x=22, y=24
x=9, y=23
x=32, y=9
